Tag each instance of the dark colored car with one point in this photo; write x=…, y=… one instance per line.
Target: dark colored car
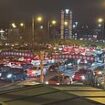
x=58, y=80
x=99, y=77
x=27, y=66
x=82, y=75
x=53, y=68
x=12, y=74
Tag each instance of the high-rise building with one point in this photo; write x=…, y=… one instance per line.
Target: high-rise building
x=66, y=24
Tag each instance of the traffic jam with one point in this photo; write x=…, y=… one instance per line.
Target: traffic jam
x=65, y=65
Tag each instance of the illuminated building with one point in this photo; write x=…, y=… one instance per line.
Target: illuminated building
x=66, y=24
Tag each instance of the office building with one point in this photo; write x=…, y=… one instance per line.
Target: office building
x=66, y=24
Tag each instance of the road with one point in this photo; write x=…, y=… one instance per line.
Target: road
x=3, y=83
x=53, y=95
x=85, y=92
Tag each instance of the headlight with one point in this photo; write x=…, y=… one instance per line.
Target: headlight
x=73, y=76
x=33, y=72
x=94, y=73
x=0, y=74
x=83, y=77
x=9, y=75
x=99, y=73
x=57, y=83
x=46, y=82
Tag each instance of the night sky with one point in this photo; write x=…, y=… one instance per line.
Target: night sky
x=85, y=11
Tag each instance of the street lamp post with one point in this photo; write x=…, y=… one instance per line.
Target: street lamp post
x=33, y=33
x=20, y=27
x=2, y=34
x=51, y=23
x=21, y=30
x=102, y=26
x=38, y=19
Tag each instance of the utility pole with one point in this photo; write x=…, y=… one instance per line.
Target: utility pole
x=48, y=29
x=33, y=32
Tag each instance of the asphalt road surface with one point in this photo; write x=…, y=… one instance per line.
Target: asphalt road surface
x=4, y=83
x=53, y=95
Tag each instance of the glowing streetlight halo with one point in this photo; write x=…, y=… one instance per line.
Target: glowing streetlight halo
x=66, y=23
x=22, y=24
x=100, y=20
x=53, y=22
x=39, y=18
x=13, y=25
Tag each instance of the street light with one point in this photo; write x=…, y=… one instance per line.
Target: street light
x=13, y=25
x=38, y=19
x=66, y=23
x=101, y=26
x=100, y=20
x=21, y=30
x=22, y=24
x=51, y=23
x=2, y=34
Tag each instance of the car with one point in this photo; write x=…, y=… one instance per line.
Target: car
x=68, y=70
x=98, y=71
x=33, y=73
x=100, y=82
x=96, y=65
x=99, y=77
x=53, y=68
x=70, y=61
x=59, y=80
x=27, y=66
x=82, y=75
x=12, y=74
